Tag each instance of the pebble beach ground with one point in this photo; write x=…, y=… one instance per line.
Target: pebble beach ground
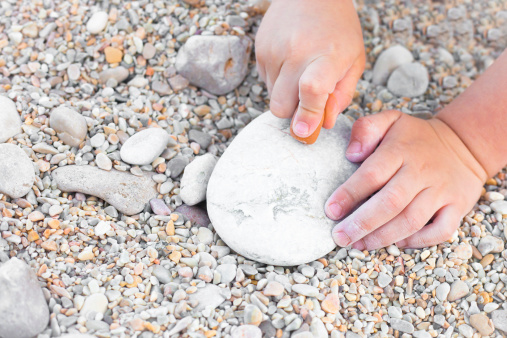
x=95, y=237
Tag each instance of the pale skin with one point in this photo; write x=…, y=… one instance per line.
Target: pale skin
x=424, y=175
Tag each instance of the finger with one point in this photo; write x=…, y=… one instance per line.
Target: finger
x=284, y=98
x=407, y=223
x=378, y=210
x=315, y=84
x=371, y=176
x=367, y=132
x=441, y=229
x=343, y=94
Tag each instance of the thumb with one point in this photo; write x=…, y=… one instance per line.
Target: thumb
x=367, y=132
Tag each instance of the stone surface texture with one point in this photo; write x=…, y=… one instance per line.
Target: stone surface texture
x=24, y=312
x=195, y=179
x=10, y=123
x=217, y=64
x=17, y=173
x=268, y=204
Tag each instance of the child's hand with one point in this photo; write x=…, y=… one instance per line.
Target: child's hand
x=421, y=171
x=311, y=55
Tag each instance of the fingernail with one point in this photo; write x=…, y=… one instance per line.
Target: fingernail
x=301, y=129
x=354, y=148
x=341, y=238
x=334, y=211
x=401, y=244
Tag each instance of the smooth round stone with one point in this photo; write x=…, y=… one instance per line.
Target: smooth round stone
x=409, y=80
x=389, y=60
x=97, y=22
x=16, y=171
x=103, y=162
x=144, y=146
x=246, y=331
x=74, y=72
x=266, y=194
x=499, y=206
x=10, y=122
x=70, y=126
x=96, y=302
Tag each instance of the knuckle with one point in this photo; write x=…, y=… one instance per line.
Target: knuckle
x=311, y=86
x=372, y=176
x=279, y=109
x=445, y=231
x=349, y=196
x=394, y=199
x=363, y=124
x=411, y=223
x=361, y=227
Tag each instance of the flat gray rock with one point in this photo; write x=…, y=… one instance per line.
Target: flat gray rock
x=389, y=60
x=24, y=312
x=70, y=125
x=16, y=171
x=126, y=192
x=210, y=295
x=10, y=122
x=267, y=193
x=145, y=146
x=217, y=64
x=195, y=179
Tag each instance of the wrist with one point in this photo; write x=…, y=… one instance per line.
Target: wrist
x=453, y=140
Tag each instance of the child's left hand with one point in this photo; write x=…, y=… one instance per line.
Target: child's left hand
x=420, y=171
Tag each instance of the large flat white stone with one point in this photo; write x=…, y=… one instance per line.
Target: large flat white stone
x=266, y=195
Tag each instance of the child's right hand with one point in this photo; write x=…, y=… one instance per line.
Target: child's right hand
x=311, y=55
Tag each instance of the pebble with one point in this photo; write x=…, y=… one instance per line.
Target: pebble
x=256, y=216
x=246, y=331
x=113, y=55
x=145, y=146
x=388, y=61
x=252, y=316
x=69, y=125
x=194, y=214
x=466, y=330
x=195, y=179
x=402, y=325
x=331, y=304
x=499, y=318
x=384, y=279
x=442, y=291
x=149, y=51
x=10, y=122
x=200, y=137
x=161, y=88
x=17, y=172
x=159, y=207
x=205, y=235
x=217, y=64
x=490, y=244
x=127, y=193
x=409, y=80
x=23, y=309
x=74, y=72
x=98, y=140
x=178, y=83
x=102, y=228
x=163, y=275
x=210, y=296
x=393, y=250
x=482, y=324
x=273, y=288
x=97, y=23
x=227, y=272
x=464, y=251
x=459, y=289
x=177, y=165
x=119, y=74
x=305, y=290
x=499, y=206
x=96, y=302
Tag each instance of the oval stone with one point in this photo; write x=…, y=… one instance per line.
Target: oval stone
x=10, y=122
x=69, y=124
x=267, y=193
x=144, y=146
x=16, y=171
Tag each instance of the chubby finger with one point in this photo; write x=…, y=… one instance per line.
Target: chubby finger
x=343, y=94
x=315, y=84
x=378, y=210
x=367, y=132
x=284, y=97
x=407, y=223
x=370, y=177
x=441, y=229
